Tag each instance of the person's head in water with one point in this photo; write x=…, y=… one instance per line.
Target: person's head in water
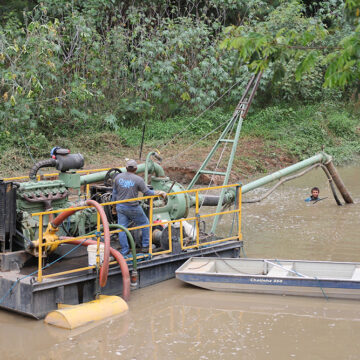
x=315, y=193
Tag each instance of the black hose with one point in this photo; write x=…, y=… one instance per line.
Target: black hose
x=29, y=243
x=41, y=164
x=66, y=230
x=211, y=200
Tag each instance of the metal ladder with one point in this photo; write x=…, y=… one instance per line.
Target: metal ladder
x=236, y=121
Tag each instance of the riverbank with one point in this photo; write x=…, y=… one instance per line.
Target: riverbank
x=271, y=138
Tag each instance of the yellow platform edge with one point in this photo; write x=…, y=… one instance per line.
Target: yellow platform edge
x=73, y=316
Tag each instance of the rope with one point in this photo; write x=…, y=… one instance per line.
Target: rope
x=322, y=290
x=199, y=267
x=197, y=117
x=238, y=271
x=203, y=138
x=301, y=275
x=293, y=271
x=316, y=201
x=243, y=250
x=35, y=272
x=235, y=215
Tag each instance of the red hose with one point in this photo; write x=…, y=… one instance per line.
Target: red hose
x=61, y=217
x=104, y=270
x=121, y=261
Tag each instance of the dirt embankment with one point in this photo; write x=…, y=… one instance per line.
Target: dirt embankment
x=253, y=156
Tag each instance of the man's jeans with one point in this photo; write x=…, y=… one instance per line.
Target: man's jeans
x=127, y=213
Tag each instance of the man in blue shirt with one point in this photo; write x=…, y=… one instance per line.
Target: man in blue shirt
x=126, y=186
x=314, y=195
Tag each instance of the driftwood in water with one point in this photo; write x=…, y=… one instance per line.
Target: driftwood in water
x=338, y=182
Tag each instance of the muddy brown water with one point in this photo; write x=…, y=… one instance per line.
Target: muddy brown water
x=175, y=321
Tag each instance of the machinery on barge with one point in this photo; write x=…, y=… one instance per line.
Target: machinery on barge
x=44, y=222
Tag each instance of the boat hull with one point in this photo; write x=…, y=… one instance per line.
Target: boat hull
x=278, y=285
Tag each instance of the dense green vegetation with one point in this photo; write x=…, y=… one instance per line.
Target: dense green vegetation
x=303, y=130
x=97, y=67
x=331, y=41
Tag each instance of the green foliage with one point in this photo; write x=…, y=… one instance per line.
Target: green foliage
x=82, y=66
x=344, y=64
x=287, y=34
x=342, y=125
x=89, y=66
x=157, y=132
x=300, y=130
x=305, y=130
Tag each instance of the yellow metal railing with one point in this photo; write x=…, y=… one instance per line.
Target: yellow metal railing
x=197, y=218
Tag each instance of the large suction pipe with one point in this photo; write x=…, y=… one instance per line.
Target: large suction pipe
x=321, y=159
x=318, y=158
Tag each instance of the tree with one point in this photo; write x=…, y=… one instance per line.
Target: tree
x=288, y=34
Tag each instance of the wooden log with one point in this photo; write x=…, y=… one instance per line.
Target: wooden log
x=339, y=183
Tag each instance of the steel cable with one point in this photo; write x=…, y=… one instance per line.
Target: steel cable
x=197, y=117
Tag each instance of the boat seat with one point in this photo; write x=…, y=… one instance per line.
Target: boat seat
x=277, y=271
x=356, y=274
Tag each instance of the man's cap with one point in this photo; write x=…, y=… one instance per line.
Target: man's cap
x=131, y=163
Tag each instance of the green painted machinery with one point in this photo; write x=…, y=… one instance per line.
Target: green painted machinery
x=66, y=191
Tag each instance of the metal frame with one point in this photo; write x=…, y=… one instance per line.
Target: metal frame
x=236, y=121
x=196, y=218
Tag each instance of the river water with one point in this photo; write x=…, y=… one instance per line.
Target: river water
x=175, y=321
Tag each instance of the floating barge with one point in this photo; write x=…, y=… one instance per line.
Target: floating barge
x=47, y=271
x=32, y=298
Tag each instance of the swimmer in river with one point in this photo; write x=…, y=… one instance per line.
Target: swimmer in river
x=314, y=195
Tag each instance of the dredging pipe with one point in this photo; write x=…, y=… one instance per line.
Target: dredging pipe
x=321, y=158
x=318, y=158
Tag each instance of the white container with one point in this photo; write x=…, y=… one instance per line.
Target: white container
x=91, y=249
